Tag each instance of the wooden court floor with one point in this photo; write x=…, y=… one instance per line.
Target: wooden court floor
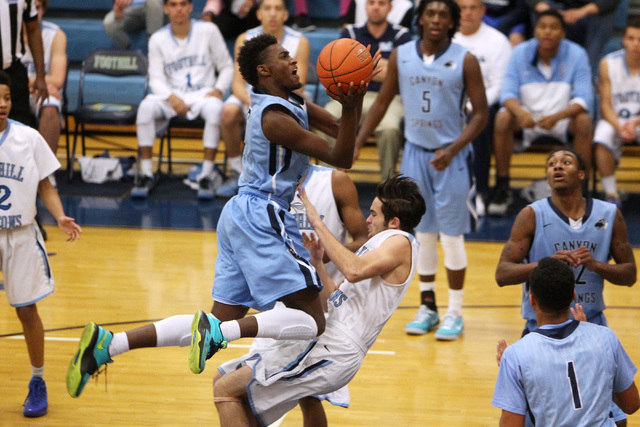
x=122, y=278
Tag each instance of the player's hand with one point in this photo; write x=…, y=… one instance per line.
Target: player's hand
x=216, y=93
x=568, y=257
x=40, y=91
x=502, y=345
x=353, y=97
x=548, y=122
x=578, y=313
x=178, y=105
x=525, y=120
x=585, y=257
x=571, y=16
x=442, y=159
x=312, y=214
x=316, y=250
x=627, y=132
x=381, y=70
x=71, y=229
x=377, y=58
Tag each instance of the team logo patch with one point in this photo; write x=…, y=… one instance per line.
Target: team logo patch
x=451, y=64
x=602, y=224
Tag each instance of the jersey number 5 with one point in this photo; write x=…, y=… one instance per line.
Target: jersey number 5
x=573, y=383
x=426, y=108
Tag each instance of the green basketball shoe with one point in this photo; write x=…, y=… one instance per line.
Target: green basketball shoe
x=206, y=340
x=92, y=354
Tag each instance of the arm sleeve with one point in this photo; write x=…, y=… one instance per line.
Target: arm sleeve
x=500, y=62
x=509, y=392
x=511, y=81
x=582, y=88
x=626, y=370
x=157, y=77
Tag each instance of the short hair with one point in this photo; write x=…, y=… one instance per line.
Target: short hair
x=252, y=54
x=454, y=10
x=259, y=3
x=632, y=22
x=552, y=284
x=188, y=1
x=5, y=79
x=582, y=164
x=401, y=198
x=552, y=12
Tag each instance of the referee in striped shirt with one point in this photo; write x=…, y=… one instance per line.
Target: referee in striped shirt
x=13, y=13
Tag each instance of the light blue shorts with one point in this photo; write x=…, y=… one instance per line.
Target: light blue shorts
x=261, y=257
x=448, y=194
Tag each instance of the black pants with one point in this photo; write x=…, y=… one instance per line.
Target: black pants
x=20, y=110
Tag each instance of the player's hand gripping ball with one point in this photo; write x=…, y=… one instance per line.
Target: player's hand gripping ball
x=344, y=61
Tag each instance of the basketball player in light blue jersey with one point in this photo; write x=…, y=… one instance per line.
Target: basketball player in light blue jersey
x=261, y=258
x=564, y=372
x=582, y=232
x=434, y=77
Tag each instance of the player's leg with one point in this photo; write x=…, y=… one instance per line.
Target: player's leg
x=152, y=114
x=389, y=138
x=154, y=15
x=231, y=125
x=313, y=414
x=49, y=125
x=580, y=127
x=210, y=179
x=229, y=396
x=36, y=404
x=504, y=129
x=607, y=151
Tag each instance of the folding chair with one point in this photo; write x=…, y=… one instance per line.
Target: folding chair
x=112, y=84
x=180, y=123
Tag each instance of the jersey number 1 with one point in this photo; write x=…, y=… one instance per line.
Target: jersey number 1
x=573, y=382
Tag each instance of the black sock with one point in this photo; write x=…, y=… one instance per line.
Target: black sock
x=502, y=181
x=429, y=299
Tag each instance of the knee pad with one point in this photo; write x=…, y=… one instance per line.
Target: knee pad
x=427, y=253
x=455, y=255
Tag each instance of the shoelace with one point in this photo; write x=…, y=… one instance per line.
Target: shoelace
x=98, y=372
x=449, y=321
x=422, y=316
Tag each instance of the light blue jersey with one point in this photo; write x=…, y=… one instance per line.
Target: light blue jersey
x=564, y=375
x=269, y=168
x=553, y=234
x=433, y=94
x=261, y=257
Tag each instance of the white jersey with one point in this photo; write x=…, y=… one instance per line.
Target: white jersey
x=493, y=50
x=625, y=87
x=49, y=30
x=290, y=39
x=360, y=310
x=318, y=186
x=25, y=160
x=199, y=62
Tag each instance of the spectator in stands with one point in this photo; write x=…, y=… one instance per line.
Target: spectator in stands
x=12, y=15
x=54, y=41
x=132, y=15
x=546, y=92
x=492, y=49
x=401, y=13
x=380, y=34
x=302, y=20
x=272, y=14
x=511, y=18
x=588, y=23
x=619, y=88
x=188, y=74
x=233, y=17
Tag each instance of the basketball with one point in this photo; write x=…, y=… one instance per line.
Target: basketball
x=344, y=61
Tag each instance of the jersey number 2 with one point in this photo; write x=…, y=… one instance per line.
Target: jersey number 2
x=6, y=192
x=573, y=382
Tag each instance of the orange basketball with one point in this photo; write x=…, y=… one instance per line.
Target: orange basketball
x=344, y=61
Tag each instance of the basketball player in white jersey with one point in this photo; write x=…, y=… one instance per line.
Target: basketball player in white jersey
x=189, y=71
x=272, y=15
x=255, y=388
x=54, y=42
x=619, y=88
x=565, y=371
x=25, y=163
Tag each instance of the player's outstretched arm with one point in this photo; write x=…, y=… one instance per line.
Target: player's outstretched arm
x=623, y=272
x=51, y=199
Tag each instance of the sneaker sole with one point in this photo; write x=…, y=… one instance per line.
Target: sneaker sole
x=419, y=331
x=75, y=380
x=447, y=337
x=199, y=344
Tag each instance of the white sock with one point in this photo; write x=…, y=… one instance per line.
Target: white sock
x=455, y=301
x=230, y=330
x=207, y=167
x=119, y=344
x=37, y=372
x=609, y=184
x=283, y=323
x=174, y=331
x=235, y=163
x=427, y=286
x=146, y=166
